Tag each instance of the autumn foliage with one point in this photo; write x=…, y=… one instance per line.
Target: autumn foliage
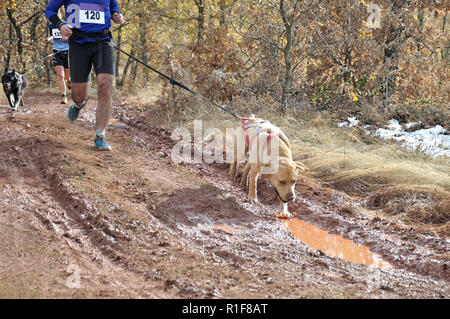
x=385, y=57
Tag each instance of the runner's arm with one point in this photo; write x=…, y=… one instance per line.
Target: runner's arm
x=116, y=16
x=114, y=7
x=51, y=11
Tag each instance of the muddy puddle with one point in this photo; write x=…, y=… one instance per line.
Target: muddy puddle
x=334, y=245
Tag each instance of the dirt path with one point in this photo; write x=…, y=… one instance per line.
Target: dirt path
x=139, y=226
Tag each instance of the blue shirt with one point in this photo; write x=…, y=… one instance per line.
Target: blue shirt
x=87, y=15
x=58, y=45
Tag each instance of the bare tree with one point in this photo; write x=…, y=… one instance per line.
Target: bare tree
x=201, y=5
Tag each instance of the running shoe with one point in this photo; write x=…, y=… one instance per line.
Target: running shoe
x=101, y=144
x=74, y=110
x=63, y=99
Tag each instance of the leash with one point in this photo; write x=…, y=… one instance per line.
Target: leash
x=181, y=85
x=40, y=63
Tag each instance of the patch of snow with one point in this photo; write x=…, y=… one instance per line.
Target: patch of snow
x=351, y=121
x=433, y=141
x=409, y=125
x=394, y=125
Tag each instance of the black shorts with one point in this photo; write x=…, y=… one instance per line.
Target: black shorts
x=61, y=58
x=83, y=56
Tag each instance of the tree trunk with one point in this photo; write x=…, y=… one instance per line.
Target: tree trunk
x=444, y=21
x=224, y=7
x=16, y=27
x=143, y=47
x=222, y=18
x=287, y=52
x=34, y=39
x=119, y=42
x=134, y=72
x=200, y=18
x=8, y=54
x=396, y=36
x=48, y=62
x=121, y=83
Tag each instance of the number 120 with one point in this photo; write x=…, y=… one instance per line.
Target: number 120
x=94, y=15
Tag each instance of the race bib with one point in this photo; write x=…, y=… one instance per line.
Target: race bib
x=92, y=13
x=56, y=34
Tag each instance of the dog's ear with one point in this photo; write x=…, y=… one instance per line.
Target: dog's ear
x=300, y=166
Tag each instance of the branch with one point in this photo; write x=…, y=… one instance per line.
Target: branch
x=30, y=18
x=418, y=39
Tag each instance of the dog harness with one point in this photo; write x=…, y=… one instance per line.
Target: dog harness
x=246, y=126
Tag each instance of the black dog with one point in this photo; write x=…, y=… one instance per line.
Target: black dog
x=14, y=84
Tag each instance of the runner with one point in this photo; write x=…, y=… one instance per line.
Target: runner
x=90, y=42
x=60, y=60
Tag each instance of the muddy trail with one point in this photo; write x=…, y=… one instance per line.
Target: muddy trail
x=138, y=225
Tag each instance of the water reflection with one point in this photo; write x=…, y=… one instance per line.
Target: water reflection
x=334, y=245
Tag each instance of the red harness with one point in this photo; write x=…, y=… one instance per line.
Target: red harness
x=256, y=125
x=245, y=127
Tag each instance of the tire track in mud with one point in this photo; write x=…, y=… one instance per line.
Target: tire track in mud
x=77, y=212
x=63, y=211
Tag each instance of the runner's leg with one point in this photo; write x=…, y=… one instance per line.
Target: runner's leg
x=104, y=107
x=67, y=77
x=79, y=92
x=80, y=58
x=60, y=76
x=105, y=77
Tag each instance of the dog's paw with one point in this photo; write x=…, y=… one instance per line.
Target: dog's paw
x=253, y=199
x=284, y=215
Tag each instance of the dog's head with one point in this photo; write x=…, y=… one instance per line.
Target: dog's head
x=10, y=80
x=285, y=178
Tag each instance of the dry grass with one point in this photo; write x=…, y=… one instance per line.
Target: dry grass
x=426, y=204
x=401, y=182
